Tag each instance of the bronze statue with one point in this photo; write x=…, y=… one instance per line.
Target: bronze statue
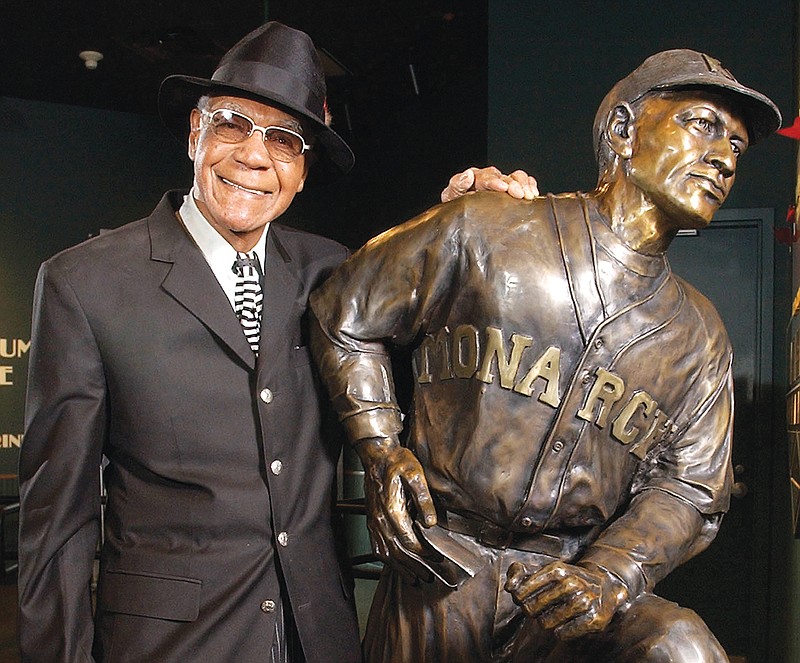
x=569, y=439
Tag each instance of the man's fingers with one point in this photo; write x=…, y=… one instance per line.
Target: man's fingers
x=518, y=184
x=524, y=185
x=458, y=185
x=516, y=190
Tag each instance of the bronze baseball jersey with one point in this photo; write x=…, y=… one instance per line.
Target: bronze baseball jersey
x=558, y=377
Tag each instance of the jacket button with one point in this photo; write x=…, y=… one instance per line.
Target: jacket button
x=266, y=395
x=276, y=466
x=283, y=539
x=526, y=522
x=558, y=445
x=268, y=606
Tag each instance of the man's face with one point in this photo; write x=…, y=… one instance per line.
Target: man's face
x=684, y=154
x=239, y=187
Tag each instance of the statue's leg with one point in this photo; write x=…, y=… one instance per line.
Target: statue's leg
x=657, y=630
x=651, y=630
x=431, y=623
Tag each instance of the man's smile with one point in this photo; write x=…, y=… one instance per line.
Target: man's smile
x=244, y=188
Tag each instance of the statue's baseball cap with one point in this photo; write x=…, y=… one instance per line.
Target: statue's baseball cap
x=684, y=69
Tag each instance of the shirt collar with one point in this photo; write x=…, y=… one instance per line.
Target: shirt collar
x=218, y=253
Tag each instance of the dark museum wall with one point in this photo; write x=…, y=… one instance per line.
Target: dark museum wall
x=65, y=173
x=550, y=64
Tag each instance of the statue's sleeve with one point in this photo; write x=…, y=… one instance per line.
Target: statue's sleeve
x=679, y=504
x=389, y=292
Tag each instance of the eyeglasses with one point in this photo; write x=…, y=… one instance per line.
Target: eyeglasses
x=232, y=127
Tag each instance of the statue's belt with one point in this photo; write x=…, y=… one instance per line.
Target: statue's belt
x=564, y=545
x=451, y=560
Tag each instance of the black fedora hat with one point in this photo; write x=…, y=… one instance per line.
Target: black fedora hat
x=274, y=64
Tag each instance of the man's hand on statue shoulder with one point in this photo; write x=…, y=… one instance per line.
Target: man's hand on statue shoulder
x=393, y=480
x=517, y=185
x=568, y=599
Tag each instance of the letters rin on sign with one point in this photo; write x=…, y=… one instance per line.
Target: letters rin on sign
x=10, y=441
x=465, y=353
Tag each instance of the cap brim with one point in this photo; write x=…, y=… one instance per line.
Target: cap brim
x=178, y=95
x=761, y=115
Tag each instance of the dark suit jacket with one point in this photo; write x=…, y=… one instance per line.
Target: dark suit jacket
x=137, y=356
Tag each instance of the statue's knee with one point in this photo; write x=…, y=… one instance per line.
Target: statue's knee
x=668, y=633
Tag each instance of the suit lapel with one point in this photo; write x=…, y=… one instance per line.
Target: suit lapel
x=281, y=284
x=192, y=282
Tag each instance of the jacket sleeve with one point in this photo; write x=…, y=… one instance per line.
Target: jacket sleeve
x=389, y=292
x=65, y=421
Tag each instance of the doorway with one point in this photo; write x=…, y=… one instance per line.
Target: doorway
x=731, y=263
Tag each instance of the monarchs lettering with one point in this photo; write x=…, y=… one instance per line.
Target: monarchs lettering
x=633, y=419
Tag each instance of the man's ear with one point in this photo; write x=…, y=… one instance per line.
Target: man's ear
x=194, y=132
x=621, y=130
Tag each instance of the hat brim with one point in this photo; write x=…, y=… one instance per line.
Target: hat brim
x=761, y=115
x=179, y=94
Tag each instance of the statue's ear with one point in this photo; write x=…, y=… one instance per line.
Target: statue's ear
x=621, y=130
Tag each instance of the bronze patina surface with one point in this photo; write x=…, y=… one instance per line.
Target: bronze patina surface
x=568, y=444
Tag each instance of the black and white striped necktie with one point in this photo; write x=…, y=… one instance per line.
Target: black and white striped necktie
x=248, y=297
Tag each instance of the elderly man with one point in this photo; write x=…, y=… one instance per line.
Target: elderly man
x=149, y=353
x=569, y=439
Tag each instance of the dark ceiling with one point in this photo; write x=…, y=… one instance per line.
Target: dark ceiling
x=406, y=82
x=365, y=43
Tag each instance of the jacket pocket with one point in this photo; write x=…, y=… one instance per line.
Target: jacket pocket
x=150, y=595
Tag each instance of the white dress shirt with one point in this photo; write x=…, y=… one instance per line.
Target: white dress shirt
x=218, y=253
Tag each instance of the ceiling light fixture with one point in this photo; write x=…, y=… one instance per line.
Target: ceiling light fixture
x=90, y=58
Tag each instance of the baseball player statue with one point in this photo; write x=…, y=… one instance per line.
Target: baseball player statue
x=568, y=440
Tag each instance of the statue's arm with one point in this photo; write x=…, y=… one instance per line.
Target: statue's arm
x=674, y=515
x=386, y=293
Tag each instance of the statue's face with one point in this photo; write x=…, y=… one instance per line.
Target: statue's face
x=684, y=154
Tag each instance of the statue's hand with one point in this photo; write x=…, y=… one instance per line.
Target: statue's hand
x=517, y=185
x=568, y=599
x=394, y=479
